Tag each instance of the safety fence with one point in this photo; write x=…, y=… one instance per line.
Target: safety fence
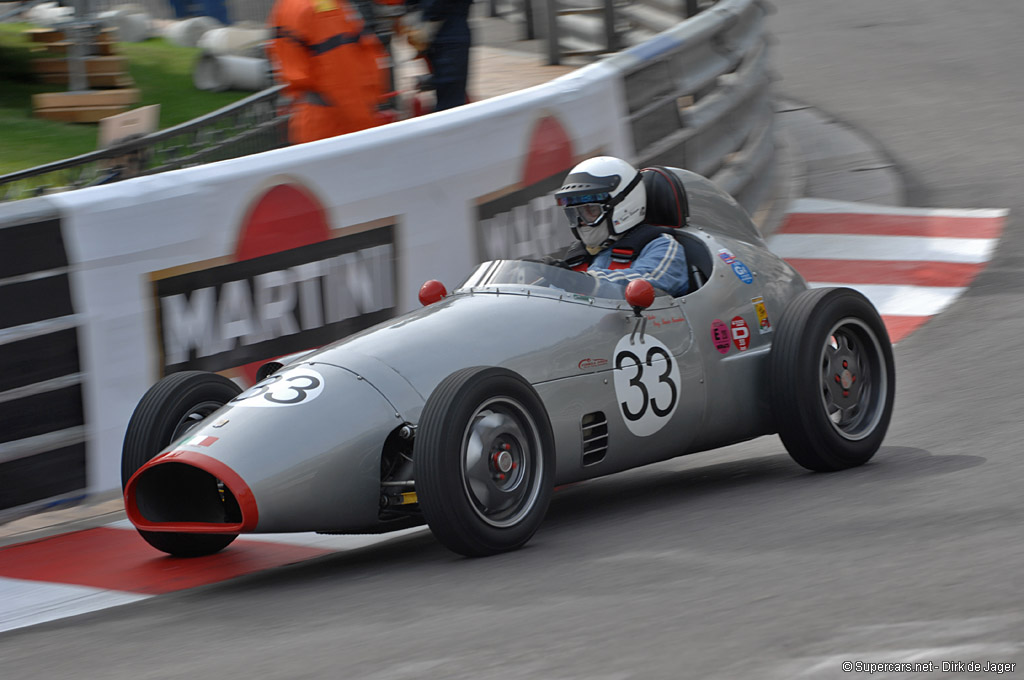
x=224, y=265
x=248, y=126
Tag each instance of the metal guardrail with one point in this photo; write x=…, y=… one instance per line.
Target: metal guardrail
x=587, y=28
x=609, y=41
x=699, y=98
x=248, y=126
x=496, y=8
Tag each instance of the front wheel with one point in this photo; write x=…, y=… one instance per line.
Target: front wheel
x=832, y=379
x=484, y=461
x=166, y=412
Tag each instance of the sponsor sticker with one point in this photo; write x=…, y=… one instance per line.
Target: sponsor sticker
x=646, y=378
x=720, y=336
x=764, y=325
x=740, y=333
x=739, y=269
x=589, y=364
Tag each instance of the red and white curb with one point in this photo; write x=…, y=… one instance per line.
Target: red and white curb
x=86, y=571
x=910, y=262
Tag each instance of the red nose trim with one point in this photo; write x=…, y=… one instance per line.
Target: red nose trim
x=230, y=478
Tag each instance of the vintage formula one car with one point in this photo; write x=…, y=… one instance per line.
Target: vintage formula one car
x=467, y=412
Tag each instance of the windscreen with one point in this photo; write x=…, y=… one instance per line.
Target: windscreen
x=525, y=273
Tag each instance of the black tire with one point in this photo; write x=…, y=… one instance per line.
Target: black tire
x=832, y=379
x=170, y=408
x=496, y=414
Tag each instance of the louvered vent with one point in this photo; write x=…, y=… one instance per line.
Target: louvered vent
x=595, y=437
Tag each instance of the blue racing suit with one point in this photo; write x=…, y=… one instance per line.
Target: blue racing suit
x=662, y=262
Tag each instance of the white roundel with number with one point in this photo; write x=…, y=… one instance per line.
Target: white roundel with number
x=289, y=387
x=646, y=384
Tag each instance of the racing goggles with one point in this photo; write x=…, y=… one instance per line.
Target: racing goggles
x=587, y=210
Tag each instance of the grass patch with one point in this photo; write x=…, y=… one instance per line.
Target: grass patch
x=162, y=72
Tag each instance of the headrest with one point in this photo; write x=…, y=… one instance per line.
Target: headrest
x=666, y=198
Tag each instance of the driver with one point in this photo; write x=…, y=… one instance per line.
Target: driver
x=606, y=202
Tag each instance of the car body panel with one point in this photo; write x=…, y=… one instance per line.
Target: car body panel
x=665, y=381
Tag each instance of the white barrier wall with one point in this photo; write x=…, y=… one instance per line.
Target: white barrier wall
x=225, y=265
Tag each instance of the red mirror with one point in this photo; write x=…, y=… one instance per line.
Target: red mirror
x=433, y=291
x=640, y=294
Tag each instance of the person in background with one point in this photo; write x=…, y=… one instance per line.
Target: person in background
x=211, y=8
x=439, y=30
x=606, y=203
x=331, y=63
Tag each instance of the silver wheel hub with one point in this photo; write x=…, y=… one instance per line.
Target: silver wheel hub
x=503, y=461
x=501, y=468
x=853, y=379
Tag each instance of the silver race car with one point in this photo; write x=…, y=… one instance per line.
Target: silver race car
x=466, y=413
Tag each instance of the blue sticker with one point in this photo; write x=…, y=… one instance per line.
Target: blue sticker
x=742, y=272
x=738, y=268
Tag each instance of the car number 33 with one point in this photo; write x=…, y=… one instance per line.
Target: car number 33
x=287, y=388
x=646, y=384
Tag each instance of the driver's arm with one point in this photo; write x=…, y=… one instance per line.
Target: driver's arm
x=662, y=262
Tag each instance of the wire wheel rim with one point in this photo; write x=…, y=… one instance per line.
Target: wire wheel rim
x=501, y=462
x=854, y=381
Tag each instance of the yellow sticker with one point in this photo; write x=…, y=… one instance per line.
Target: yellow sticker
x=763, y=324
x=325, y=5
x=409, y=498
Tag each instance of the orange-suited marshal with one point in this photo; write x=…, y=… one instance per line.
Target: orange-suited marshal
x=330, y=63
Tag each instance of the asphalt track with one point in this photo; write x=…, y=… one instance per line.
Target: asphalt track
x=732, y=564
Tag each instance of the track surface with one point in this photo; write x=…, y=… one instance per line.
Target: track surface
x=734, y=564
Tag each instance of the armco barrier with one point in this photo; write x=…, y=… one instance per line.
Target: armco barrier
x=226, y=265
x=698, y=97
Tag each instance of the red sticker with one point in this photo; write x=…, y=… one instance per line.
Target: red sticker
x=720, y=336
x=740, y=333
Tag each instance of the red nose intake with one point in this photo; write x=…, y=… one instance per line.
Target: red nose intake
x=640, y=293
x=432, y=291
x=186, y=491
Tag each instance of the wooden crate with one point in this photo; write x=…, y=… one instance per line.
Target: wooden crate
x=107, y=70
x=58, y=100
x=93, y=65
x=46, y=35
x=80, y=114
x=105, y=49
x=92, y=79
x=43, y=35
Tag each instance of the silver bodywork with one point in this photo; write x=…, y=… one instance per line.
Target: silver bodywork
x=315, y=465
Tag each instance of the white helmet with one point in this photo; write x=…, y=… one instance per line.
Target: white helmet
x=603, y=197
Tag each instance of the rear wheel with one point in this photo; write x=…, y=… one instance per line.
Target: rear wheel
x=166, y=412
x=832, y=379
x=484, y=461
